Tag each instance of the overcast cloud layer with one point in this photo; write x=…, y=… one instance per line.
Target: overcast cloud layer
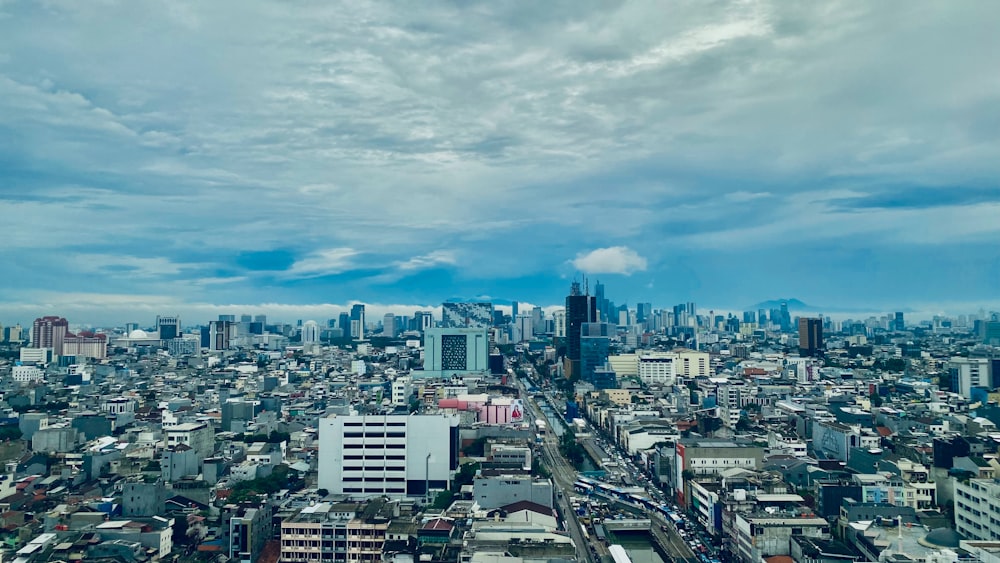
x=165, y=154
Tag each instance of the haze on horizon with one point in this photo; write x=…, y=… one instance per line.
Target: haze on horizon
x=163, y=157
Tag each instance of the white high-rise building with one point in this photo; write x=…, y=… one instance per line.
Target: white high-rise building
x=658, y=368
x=389, y=325
x=310, y=332
x=559, y=318
x=524, y=327
x=976, y=501
x=393, y=455
x=969, y=373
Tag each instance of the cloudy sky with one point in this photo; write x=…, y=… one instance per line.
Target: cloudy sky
x=160, y=157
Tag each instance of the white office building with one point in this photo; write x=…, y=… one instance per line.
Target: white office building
x=559, y=320
x=310, y=332
x=968, y=374
x=455, y=352
x=523, y=328
x=658, y=368
x=977, y=503
x=393, y=455
x=26, y=374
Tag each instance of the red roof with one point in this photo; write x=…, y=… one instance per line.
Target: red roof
x=883, y=431
x=438, y=524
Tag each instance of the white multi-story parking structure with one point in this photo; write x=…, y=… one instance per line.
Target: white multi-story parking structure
x=392, y=455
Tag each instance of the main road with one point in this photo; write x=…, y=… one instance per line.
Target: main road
x=563, y=477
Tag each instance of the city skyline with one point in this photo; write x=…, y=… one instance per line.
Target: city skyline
x=202, y=314
x=162, y=160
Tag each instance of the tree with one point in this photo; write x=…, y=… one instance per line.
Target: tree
x=466, y=473
x=743, y=424
x=571, y=449
x=876, y=399
x=475, y=449
x=443, y=500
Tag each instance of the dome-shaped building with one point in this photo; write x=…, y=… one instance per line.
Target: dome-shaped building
x=942, y=538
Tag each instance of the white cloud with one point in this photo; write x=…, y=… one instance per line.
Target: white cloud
x=131, y=266
x=629, y=120
x=611, y=260
x=323, y=263
x=429, y=260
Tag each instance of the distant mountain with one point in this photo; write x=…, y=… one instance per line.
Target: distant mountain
x=478, y=300
x=793, y=305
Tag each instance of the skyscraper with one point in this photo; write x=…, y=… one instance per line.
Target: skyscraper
x=786, y=317
x=423, y=320
x=580, y=309
x=358, y=321
x=344, y=324
x=900, y=326
x=168, y=327
x=810, y=336
x=595, y=346
x=389, y=325
x=602, y=306
x=310, y=332
x=49, y=332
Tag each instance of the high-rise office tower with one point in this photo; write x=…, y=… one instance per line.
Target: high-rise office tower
x=262, y=319
x=168, y=327
x=602, y=311
x=227, y=318
x=595, y=346
x=310, y=332
x=559, y=323
x=537, y=320
x=642, y=311
x=220, y=333
x=810, y=336
x=580, y=309
x=246, y=319
x=49, y=332
x=389, y=325
x=344, y=324
x=898, y=322
x=423, y=320
x=513, y=310
x=358, y=321
x=523, y=327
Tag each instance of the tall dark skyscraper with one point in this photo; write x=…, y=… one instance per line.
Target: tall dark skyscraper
x=602, y=306
x=785, y=319
x=899, y=324
x=810, y=336
x=580, y=309
x=344, y=323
